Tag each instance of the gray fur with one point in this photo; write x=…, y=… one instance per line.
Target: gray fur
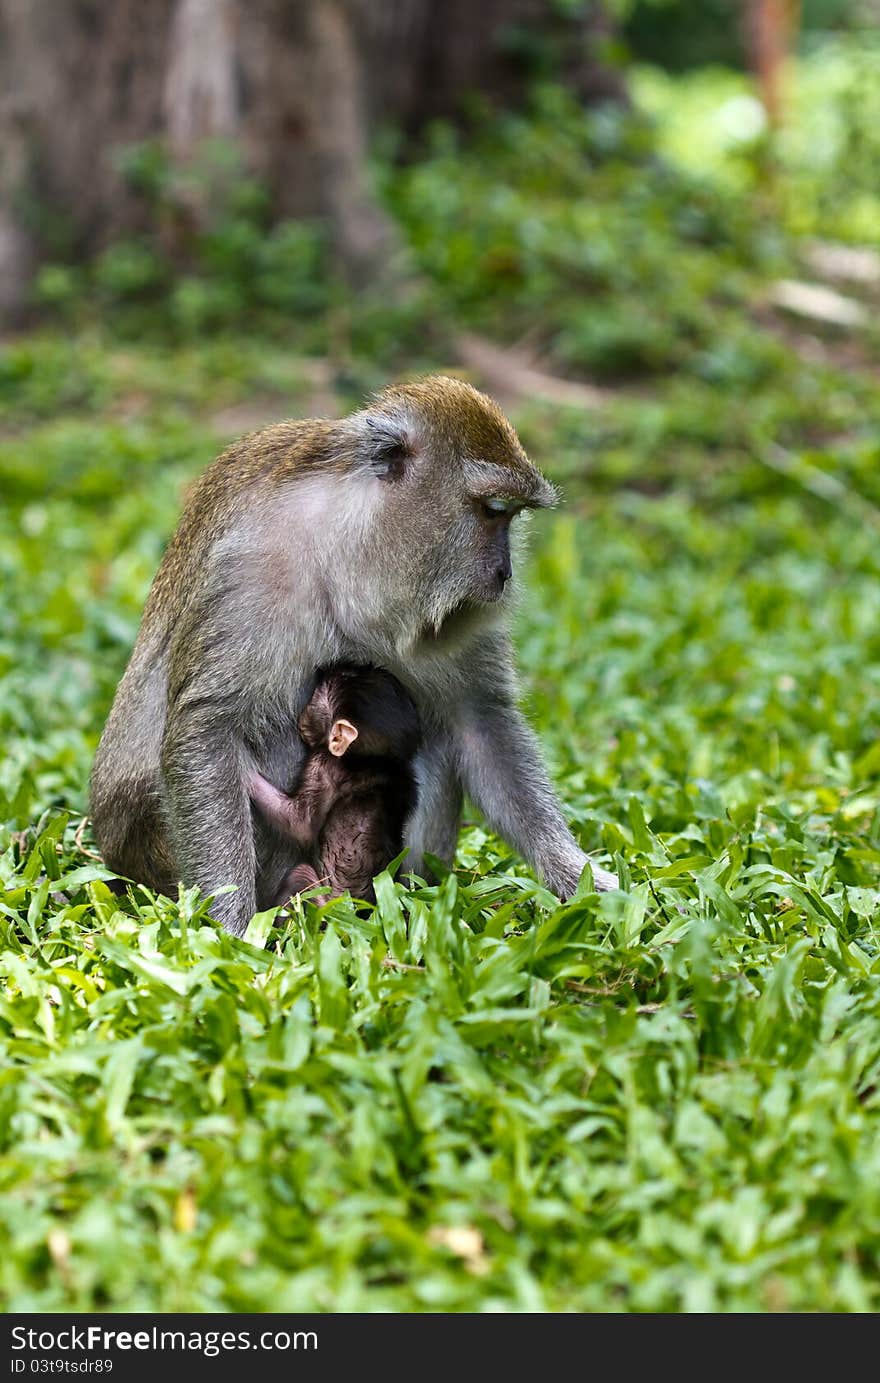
x=300, y=549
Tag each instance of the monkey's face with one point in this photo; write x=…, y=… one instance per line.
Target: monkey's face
x=455, y=479
x=466, y=559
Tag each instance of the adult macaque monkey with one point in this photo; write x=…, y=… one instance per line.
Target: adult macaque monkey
x=383, y=538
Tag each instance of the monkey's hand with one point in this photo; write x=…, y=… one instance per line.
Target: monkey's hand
x=604, y=881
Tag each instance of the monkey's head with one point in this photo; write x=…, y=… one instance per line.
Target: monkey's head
x=446, y=476
x=361, y=711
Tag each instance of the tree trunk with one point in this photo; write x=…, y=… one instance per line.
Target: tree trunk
x=771, y=27
x=298, y=85
x=200, y=96
x=429, y=58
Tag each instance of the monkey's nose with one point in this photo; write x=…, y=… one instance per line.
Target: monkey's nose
x=503, y=572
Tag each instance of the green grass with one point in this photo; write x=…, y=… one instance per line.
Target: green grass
x=664, y=1099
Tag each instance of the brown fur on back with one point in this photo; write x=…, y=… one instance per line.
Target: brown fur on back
x=363, y=830
x=362, y=835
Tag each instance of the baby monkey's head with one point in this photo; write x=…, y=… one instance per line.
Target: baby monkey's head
x=363, y=711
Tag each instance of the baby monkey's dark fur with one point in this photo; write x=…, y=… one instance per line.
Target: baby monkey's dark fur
x=357, y=786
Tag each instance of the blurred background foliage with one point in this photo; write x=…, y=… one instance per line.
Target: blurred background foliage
x=470, y=1097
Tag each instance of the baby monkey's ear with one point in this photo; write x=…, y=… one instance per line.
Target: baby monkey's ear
x=342, y=735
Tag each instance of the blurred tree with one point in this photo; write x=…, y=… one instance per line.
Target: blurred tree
x=297, y=86
x=678, y=34
x=770, y=29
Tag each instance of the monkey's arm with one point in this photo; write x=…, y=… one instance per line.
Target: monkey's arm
x=302, y=814
x=503, y=773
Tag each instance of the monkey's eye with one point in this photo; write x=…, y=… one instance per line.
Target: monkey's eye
x=494, y=507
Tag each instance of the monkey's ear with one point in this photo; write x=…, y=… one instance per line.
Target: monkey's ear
x=342, y=735
x=388, y=447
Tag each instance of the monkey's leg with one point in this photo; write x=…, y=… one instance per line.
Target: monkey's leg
x=300, y=878
x=132, y=834
x=125, y=793
x=504, y=775
x=209, y=811
x=434, y=825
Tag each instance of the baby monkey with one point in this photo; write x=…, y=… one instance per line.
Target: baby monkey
x=357, y=785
